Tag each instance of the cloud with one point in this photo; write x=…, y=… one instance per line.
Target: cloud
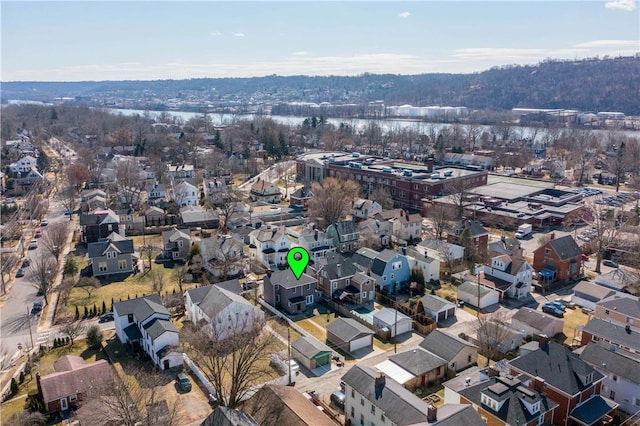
x=404, y=15
x=238, y=34
x=215, y=33
x=609, y=43
x=628, y=5
x=300, y=53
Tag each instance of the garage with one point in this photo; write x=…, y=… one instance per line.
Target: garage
x=349, y=335
x=310, y=353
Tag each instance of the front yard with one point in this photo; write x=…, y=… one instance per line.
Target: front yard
x=573, y=319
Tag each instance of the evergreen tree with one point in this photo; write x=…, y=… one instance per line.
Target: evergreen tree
x=14, y=386
x=86, y=312
x=21, y=378
x=104, y=307
x=77, y=316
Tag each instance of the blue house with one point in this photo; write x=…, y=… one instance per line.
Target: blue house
x=391, y=270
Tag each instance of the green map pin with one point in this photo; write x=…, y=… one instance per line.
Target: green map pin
x=298, y=259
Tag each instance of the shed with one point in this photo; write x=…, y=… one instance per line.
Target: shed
x=311, y=353
x=468, y=292
x=392, y=320
x=438, y=308
x=349, y=335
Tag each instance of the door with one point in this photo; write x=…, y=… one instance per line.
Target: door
x=166, y=364
x=63, y=404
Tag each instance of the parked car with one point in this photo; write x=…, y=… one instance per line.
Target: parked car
x=44, y=222
x=338, y=398
x=33, y=245
x=550, y=309
x=26, y=262
x=106, y=317
x=557, y=304
x=610, y=263
x=37, y=307
x=20, y=273
x=183, y=382
x=38, y=233
x=67, y=212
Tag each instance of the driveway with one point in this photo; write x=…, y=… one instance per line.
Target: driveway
x=193, y=405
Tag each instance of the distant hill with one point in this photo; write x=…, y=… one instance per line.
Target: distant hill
x=611, y=84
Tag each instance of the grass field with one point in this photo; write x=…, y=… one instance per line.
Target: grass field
x=313, y=328
x=573, y=318
x=281, y=329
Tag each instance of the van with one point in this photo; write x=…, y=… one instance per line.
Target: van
x=183, y=382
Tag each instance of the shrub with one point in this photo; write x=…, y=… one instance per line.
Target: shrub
x=94, y=337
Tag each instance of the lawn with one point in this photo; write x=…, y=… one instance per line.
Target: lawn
x=447, y=290
x=133, y=286
x=573, y=318
x=385, y=346
x=140, y=240
x=13, y=406
x=280, y=328
x=313, y=328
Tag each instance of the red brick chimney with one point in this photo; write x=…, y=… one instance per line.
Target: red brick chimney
x=543, y=341
x=552, y=236
x=432, y=413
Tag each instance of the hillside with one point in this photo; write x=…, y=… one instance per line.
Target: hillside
x=611, y=84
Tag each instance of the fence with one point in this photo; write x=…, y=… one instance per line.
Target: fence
x=199, y=374
x=279, y=314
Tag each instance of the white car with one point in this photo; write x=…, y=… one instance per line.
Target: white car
x=33, y=245
x=44, y=222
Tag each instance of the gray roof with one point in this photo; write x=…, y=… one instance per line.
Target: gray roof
x=364, y=257
x=535, y=319
x=614, y=332
x=97, y=249
x=464, y=415
x=623, y=305
x=472, y=288
x=225, y=416
x=141, y=307
x=435, y=303
x=286, y=279
x=97, y=217
x=388, y=315
x=558, y=366
x=309, y=347
x=418, y=361
x=158, y=326
x=399, y=405
x=332, y=261
x=593, y=292
x=382, y=259
x=475, y=227
x=348, y=329
x=604, y=359
x=213, y=299
x=173, y=235
x=345, y=227
x=445, y=345
x=565, y=247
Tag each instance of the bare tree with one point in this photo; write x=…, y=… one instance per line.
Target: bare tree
x=158, y=280
x=224, y=256
x=54, y=239
x=88, y=284
x=69, y=197
x=333, y=199
x=229, y=201
x=179, y=276
x=234, y=356
x=149, y=251
x=72, y=329
x=129, y=183
x=492, y=332
x=458, y=190
x=65, y=288
x=440, y=220
x=607, y=222
x=41, y=274
x=383, y=196
x=8, y=262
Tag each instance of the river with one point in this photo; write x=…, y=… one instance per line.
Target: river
x=359, y=124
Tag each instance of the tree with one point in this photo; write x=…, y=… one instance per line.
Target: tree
x=88, y=284
x=229, y=201
x=55, y=239
x=458, y=190
x=492, y=333
x=41, y=274
x=77, y=175
x=440, y=220
x=234, y=362
x=333, y=199
x=70, y=266
x=65, y=288
x=129, y=183
x=26, y=418
x=94, y=337
x=608, y=223
x=382, y=195
x=158, y=280
x=417, y=276
x=69, y=197
x=8, y=261
x=72, y=329
x=149, y=250
x=178, y=276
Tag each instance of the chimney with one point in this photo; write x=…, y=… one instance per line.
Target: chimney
x=38, y=383
x=552, y=236
x=539, y=384
x=404, y=251
x=493, y=371
x=339, y=270
x=432, y=413
x=380, y=380
x=269, y=272
x=543, y=341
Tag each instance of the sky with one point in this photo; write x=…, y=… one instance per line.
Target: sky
x=150, y=40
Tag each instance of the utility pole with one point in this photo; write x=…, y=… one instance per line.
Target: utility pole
x=30, y=333
x=478, y=306
x=289, y=349
x=395, y=327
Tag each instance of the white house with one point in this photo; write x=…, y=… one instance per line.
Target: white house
x=185, y=194
x=143, y=324
x=407, y=226
x=223, y=256
x=532, y=322
x=225, y=313
x=429, y=266
x=269, y=246
x=316, y=242
x=25, y=164
x=397, y=322
x=514, y=273
x=375, y=233
x=616, y=279
x=441, y=250
x=362, y=209
x=437, y=308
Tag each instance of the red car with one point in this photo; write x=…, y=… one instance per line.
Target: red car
x=38, y=233
x=585, y=258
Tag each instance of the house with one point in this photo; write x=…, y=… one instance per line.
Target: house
x=27, y=178
x=475, y=294
x=269, y=246
x=474, y=231
x=215, y=190
x=362, y=209
x=131, y=197
x=225, y=416
x=301, y=198
x=112, y=255
x=265, y=191
x=223, y=256
x=274, y=405
x=407, y=227
x=340, y=280
x=429, y=266
x=390, y=270
x=24, y=165
x=437, y=308
x=509, y=246
x=143, y=325
x=507, y=400
x=181, y=172
x=132, y=222
x=65, y=388
x=176, y=245
x=560, y=259
x=623, y=310
x=621, y=375
x=394, y=321
x=295, y=296
x=371, y=398
x=223, y=313
x=193, y=217
x=511, y=275
x=310, y=353
x=155, y=216
x=612, y=335
x=99, y=224
x=618, y=279
x=185, y=194
x=414, y=368
x=345, y=236
x=349, y=335
x=446, y=253
x=567, y=380
x=94, y=199
x=375, y=233
x=156, y=193
x=586, y=294
x=458, y=353
x=317, y=243
x=532, y=322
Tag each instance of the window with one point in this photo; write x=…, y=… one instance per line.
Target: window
x=382, y=419
x=353, y=414
x=392, y=276
x=347, y=281
x=353, y=394
x=469, y=358
x=334, y=285
x=615, y=378
x=102, y=266
x=362, y=419
x=547, y=251
x=384, y=278
x=73, y=398
x=310, y=299
x=277, y=298
x=294, y=290
x=373, y=409
x=122, y=264
x=540, y=419
x=130, y=318
x=362, y=401
x=589, y=378
x=612, y=395
x=308, y=286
